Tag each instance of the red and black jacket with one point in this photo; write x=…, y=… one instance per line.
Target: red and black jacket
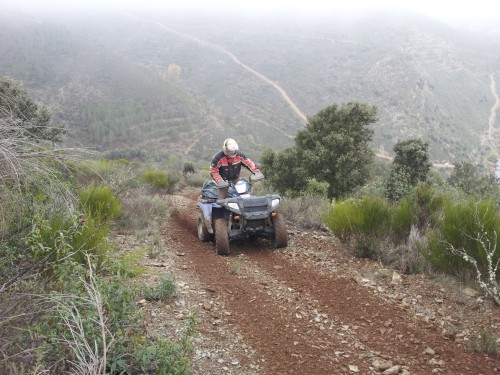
x=224, y=168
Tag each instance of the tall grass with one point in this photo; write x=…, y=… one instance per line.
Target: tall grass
x=459, y=228
x=425, y=231
x=157, y=179
x=349, y=218
x=100, y=203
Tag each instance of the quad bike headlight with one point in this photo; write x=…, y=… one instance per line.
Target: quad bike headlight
x=275, y=202
x=234, y=206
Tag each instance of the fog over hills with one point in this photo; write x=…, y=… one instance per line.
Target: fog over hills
x=180, y=82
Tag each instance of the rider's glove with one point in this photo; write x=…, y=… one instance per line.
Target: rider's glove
x=257, y=176
x=222, y=184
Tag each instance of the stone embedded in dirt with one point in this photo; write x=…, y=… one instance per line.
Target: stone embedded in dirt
x=396, y=278
x=353, y=368
x=156, y=264
x=207, y=305
x=142, y=302
x=437, y=362
x=429, y=351
x=381, y=364
x=470, y=292
x=393, y=370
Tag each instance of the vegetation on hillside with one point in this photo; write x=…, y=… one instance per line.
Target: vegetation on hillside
x=137, y=85
x=68, y=303
x=405, y=216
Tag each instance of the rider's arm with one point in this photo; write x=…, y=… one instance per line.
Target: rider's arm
x=214, y=168
x=249, y=164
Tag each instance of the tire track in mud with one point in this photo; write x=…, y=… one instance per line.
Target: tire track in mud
x=275, y=302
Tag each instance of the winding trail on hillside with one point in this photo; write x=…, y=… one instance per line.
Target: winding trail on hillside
x=281, y=91
x=493, y=112
x=259, y=75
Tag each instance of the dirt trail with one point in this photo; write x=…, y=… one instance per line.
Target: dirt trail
x=493, y=112
x=313, y=309
x=259, y=75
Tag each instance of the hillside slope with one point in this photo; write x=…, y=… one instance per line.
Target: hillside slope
x=157, y=82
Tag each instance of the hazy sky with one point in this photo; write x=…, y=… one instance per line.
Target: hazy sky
x=442, y=9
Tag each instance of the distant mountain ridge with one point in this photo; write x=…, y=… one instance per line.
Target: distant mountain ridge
x=110, y=78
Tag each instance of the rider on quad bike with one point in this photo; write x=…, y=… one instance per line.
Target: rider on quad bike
x=232, y=211
x=226, y=166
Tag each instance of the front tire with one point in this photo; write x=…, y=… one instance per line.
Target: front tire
x=221, y=237
x=203, y=233
x=280, y=233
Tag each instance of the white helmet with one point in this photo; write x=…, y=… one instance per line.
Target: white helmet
x=230, y=147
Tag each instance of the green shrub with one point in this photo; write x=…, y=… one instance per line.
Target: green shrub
x=164, y=357
x=100, y=203
x=196, y=180
x=165, y=290
x=343, y=218
x=168, y=357
x=60, y=235
x=368, y=216
x=398, y=184
x=402, y=219
x=428, y=205
x=460, y=227
x=156, y=179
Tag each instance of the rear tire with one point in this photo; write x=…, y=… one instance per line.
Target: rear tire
x=203, y=233
x=280, y=233
x=221, y=237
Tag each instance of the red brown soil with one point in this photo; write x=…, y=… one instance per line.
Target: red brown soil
x=312, y=308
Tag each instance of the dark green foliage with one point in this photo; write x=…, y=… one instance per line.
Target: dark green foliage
x=410, y=166
x=398, y=184
x=284, y=170
x=414, y=155
x=316, y=188
x=428, y=205
x=334, y=148
x=402, y=219
x=29, y=120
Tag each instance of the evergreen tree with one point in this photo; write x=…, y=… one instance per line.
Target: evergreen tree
x=410, y=166
x=333, y=148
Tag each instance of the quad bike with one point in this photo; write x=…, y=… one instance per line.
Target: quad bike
x=240, y=216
